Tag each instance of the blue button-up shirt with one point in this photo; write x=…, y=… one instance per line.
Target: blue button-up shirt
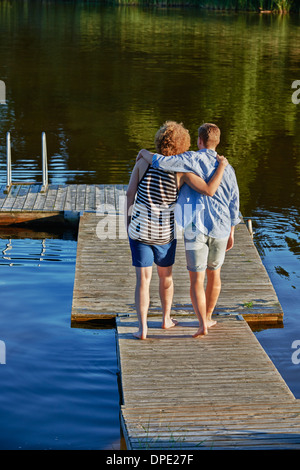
x=214, y=216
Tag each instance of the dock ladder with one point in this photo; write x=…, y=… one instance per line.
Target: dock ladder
x=8, y=163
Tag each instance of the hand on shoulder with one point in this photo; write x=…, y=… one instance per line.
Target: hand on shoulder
x=139, y=155
x=146, y=155
x=222, y=160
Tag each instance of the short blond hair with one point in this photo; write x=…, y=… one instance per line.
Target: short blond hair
x=210, y=134
x=172, y=138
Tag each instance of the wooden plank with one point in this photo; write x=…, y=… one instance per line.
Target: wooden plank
x=40, y=201
x=39, y=217
x=50, y=197
x=221, y=391
x=21, y=198
x=110, y=199
x=70, y=201
x=120, y=198
x=61, y=197
x=100, y=198
x=90, y=202
x=10, y=199
x=217, y=426
x=34, y=189
x=3, y=195
x=80, y=197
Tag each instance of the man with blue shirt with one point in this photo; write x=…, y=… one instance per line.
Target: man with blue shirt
x=208, y=222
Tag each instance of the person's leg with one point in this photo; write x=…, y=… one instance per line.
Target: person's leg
x=216, y=256
x=164, y=257
x=213, y=289
x=196, y=251
x=198, y=299
x=142, y=259
x=166, y=292
x=142, y=299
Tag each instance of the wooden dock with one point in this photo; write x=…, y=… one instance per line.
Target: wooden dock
x=247, y=288
x=25, y=203
x=105, y=280
x=218, y=392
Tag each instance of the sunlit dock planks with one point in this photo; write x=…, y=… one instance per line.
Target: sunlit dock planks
x=26, y=202
x=105, y=280
x=213, y=426
x=219, y=392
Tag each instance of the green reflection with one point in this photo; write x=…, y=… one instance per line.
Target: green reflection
x=100, y=80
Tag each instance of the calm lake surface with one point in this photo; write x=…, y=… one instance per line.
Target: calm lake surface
x=100, y=81
x=59, y=384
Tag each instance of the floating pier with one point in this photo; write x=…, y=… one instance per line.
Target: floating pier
x=105, y=280
x=218, y=392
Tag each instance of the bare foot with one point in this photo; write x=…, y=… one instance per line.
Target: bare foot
x=170, y=323
x=140, y=334
x=201, y=332
x=211, y=323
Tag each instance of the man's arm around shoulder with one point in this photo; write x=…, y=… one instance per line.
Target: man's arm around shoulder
x=178, y=163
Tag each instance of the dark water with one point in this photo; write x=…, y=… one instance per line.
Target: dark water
x=59, y=384
x=100, y=81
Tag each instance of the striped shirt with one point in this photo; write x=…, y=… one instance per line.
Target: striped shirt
x=152, y=219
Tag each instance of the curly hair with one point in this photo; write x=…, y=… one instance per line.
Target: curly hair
x=172, y=138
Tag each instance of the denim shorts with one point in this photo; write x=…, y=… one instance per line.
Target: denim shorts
x=203, y=252
x=144, y=255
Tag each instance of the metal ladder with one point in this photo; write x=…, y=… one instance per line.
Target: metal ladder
x=8, y=163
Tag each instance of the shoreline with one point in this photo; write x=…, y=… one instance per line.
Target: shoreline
x=222, y=9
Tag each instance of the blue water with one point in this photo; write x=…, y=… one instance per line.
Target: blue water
x=277, y=239
x=59, y=383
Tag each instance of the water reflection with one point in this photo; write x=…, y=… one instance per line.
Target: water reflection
x=278, y=241
x=101, y=80
x=16, y=252
x=59, y=385
x=277, y=238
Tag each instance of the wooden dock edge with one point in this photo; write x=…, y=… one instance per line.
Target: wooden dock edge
x=274, y=318
x=40, y=218
x=254, y=320
x=79, y=316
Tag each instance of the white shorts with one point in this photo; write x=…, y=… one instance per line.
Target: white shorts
x=203, y=252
